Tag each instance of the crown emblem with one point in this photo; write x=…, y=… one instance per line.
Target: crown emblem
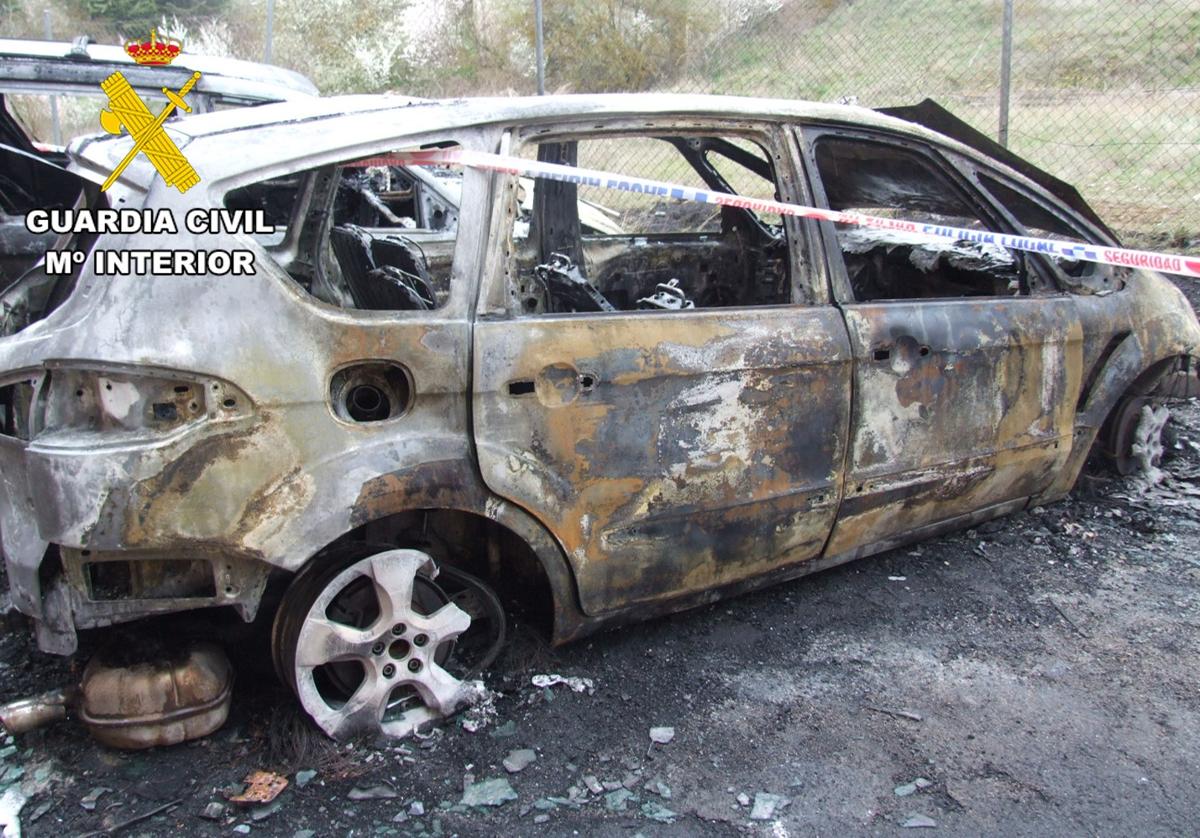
x=154, y=52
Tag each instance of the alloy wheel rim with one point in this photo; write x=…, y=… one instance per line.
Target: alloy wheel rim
x=398, y=652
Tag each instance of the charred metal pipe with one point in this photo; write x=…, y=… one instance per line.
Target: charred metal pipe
x=26, y=714
x=134, y=698
x=368, y=403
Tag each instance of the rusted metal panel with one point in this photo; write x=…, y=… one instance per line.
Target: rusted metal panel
x=668, y=453
x=182, y=695
x=23, y=546
x=271, y=480
x=959, y=404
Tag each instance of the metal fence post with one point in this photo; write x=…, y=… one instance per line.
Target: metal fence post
x=541, y=55
x=55, y=125
x=1006, y=37
x=270, y=31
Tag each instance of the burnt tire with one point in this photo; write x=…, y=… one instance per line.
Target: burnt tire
x=1133, y=435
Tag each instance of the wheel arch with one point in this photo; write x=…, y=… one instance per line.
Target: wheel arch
x=1131, y=368
x=1129, y=371
x=447, y=504
x=1110, y=440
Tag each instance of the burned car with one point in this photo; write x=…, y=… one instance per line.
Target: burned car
x=50, y=92
x=391, y=439
x=53, y=87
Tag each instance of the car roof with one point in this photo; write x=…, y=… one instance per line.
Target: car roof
x=398, y=112
x=270, y=137
x=32, y=63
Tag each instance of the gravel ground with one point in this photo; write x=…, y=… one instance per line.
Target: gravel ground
x=1034, y=676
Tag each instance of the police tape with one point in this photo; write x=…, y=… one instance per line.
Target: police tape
x=1077, y=251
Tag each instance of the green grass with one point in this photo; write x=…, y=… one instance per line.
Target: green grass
x=1105, y=95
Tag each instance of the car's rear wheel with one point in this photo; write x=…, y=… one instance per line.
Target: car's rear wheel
x=374, y=640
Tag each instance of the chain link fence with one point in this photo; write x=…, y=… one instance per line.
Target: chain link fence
x=1104, y=94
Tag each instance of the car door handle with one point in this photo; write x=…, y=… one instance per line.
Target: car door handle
x=580, y=381
x=883, y=352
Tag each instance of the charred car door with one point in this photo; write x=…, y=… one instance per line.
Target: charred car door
x=671, y=401
x=966, y=356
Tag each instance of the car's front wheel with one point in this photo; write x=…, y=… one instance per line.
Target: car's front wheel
x=1133, y=438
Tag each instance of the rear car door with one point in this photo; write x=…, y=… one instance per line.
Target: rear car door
x=966, y=357
x=671, y=449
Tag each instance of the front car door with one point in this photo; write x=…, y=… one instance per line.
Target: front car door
x=967, y=358
x=671, y=401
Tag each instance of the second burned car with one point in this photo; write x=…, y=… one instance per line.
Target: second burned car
x=412, y=429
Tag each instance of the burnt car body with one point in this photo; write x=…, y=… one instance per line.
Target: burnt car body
x=594, y=427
